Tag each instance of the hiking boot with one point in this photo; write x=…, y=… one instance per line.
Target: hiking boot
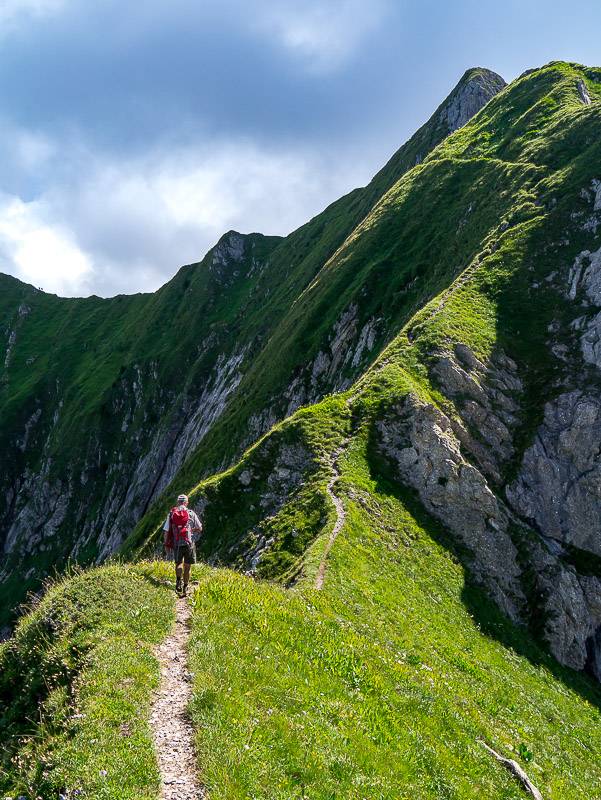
x=178, y=586
x=185, y=590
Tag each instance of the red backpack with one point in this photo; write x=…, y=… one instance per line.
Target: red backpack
x=179, y=532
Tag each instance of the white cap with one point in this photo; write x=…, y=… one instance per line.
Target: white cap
x=182, y=498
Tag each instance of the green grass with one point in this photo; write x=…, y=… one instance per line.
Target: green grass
x=481, y=194
x=389, y=249
x=75, y=687
x=77, y=360
x=382, y=685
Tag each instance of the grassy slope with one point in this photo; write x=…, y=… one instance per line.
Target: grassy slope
x=381, y=685
x=83, y=353
x=94, y=341
x=492, y=203
x=515, y=290
x=84, y=670
x=86, y=345
x=377, y=687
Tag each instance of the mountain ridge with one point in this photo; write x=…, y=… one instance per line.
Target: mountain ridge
x=329, y=318
x=452, y=391
x=390, y=427
x=226, y=268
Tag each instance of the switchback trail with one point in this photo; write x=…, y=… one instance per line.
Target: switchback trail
x=171, y=728
x=340, y=516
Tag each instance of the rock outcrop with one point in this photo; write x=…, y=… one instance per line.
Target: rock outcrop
x=420, y=440
x=522, y=572
x=488, y=401
x=583, y=92
x=493, y=239
x=141, y=427
x=558, y=488
x=475, y=90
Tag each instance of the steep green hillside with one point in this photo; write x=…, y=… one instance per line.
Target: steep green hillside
x=102, y=401
x=383, y=684
x=485, y=404
x=426, y=231
x=75, y=688
x=422, y=545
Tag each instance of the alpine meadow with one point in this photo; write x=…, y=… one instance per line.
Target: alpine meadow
x=390, y=429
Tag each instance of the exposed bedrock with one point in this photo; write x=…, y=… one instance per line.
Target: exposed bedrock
x=558, y=487
x=419, y=439
x=524, y=573
x=470, y=97
x=487, y=398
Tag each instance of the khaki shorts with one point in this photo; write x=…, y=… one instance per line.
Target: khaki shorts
x=185, y=553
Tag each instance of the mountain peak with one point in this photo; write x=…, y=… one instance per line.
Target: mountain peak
x=474, y=90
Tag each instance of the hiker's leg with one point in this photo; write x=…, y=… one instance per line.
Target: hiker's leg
x=179, y=567
x=189, y=559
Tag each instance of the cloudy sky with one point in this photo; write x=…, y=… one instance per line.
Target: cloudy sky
x=134, y=134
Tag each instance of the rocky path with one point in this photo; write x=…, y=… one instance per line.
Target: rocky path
x=340, y=517
x=172, y=730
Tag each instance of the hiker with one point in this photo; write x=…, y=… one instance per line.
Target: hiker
x=180, y=526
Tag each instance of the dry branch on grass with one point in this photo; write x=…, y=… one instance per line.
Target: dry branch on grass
x=515, y=770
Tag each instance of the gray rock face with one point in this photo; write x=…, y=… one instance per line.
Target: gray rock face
x=287, y=474
x=422, y=444
x=457, y=464
x=597, y=189
x=559, y=483
x=585, y=286
x=226, y=257
x=591, y=342
x=131, y=486
x=472, y=95
x=230, y=249
x=487, y=399
x=347, y=345
x=332, y=370
x=586, y=275
x=583, y=92
x=44, y=509
x=48, y=503
x=169, y=448
x=420, y=441
x=571, y=605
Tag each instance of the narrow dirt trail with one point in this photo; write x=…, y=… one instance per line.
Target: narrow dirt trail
x=171, y=728
x=340, y=517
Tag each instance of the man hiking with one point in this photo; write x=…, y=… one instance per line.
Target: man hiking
x=180, y=526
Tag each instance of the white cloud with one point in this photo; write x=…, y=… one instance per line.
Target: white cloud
x=323, y=34
x=76, y=221
x=32, y=150
x=40, y=252
x=107, y=227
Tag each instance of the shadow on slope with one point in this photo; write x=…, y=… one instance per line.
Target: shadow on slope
x=523, y=641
